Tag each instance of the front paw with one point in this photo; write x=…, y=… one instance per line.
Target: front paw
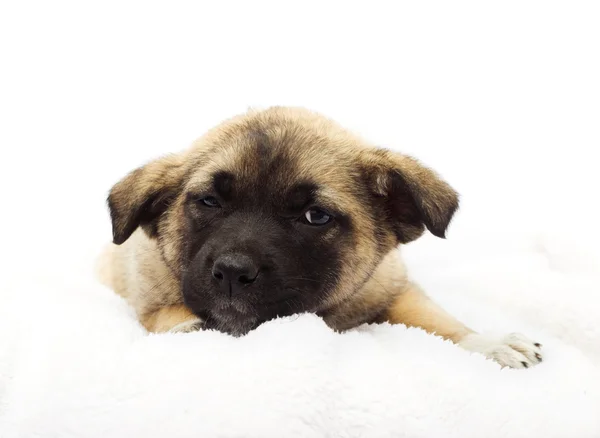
x=193, y=325
x=513, y=350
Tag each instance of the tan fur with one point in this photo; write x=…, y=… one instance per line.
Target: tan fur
x=143, y=268
x=414, y=309
x=138, y=274
x=166, y=318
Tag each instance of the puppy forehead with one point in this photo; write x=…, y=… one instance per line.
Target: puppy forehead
x=283, y=158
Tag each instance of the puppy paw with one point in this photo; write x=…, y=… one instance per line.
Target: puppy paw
x=193, y=325
x=513, y=350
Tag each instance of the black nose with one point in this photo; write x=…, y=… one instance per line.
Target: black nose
x=235, y=270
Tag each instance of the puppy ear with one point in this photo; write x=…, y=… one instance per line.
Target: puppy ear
x=413, y=196
x=143, y=195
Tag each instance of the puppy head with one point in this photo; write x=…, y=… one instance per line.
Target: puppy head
x=277, y=212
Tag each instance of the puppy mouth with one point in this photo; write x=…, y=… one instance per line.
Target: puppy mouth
x=233, y=316
x=234, y=324
x=232, y=307
x=237, y=317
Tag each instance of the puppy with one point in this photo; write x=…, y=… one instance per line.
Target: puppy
x=278, y=212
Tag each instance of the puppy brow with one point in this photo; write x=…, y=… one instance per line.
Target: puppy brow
x=303, y=195
x=299, y=196
x=222, y=183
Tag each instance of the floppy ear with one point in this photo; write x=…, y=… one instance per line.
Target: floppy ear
x=143, y=195
x=413, y=196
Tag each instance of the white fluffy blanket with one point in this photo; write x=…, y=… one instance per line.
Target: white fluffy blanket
x=74, y=362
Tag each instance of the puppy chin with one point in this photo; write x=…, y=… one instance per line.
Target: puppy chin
x=233, y=317
x=232, y=325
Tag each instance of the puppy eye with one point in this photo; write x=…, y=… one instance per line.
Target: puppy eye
x=316, y=216
x=210, y=201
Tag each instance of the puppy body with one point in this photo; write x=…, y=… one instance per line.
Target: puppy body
x=266, y=170
x=136, y=272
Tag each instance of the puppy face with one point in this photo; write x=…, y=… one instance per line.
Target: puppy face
x=277, y=212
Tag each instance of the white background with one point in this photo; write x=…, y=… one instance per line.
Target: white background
x=502, y=98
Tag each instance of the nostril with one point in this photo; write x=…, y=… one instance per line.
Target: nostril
x=244, y=279
x=218, y=275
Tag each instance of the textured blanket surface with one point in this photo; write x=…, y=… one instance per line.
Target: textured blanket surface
x=75, y=363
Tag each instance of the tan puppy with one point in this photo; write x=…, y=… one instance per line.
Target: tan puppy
x=278, y=212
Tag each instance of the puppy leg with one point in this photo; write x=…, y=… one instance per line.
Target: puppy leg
x=414, y=309
x=174, y=319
